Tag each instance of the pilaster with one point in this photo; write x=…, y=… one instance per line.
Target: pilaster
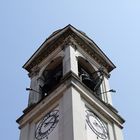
x=70, y=61
x=72, y=123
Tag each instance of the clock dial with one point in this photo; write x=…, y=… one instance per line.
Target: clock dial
x=47, y=125
x=96, y=125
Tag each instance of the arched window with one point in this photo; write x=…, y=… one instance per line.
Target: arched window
x=52, y=76
x=91, y=78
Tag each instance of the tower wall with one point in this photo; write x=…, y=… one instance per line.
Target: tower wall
x=68, y=97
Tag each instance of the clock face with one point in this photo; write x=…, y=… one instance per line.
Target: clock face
x=47, y=125
x=96, y=125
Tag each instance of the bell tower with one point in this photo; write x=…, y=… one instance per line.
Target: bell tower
x=69, y=93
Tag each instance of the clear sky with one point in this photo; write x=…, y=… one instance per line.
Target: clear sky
x=113, y=24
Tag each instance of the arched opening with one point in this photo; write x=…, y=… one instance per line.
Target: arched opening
x=52, y=76
x=89, y=76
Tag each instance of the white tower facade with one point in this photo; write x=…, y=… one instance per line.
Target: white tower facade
x=69, y=94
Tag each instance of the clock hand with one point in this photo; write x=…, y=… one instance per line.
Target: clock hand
x=50, y=121
x=45, y=125
x=98, y=125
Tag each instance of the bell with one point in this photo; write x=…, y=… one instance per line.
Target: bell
x=87, y=80
x=47, y=86
x=98, y=81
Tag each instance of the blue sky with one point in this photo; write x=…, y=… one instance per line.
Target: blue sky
x=113, y=25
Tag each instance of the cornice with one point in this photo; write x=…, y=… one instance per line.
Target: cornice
x=69, y=37
x=49, y=47
x=92, y=51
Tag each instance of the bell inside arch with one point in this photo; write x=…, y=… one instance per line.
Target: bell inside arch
x=87, y=80
x=52, y=79
x=91, y=80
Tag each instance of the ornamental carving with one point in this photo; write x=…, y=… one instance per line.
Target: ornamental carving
x=70, y=38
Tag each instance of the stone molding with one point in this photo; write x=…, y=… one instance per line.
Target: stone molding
x=70, y=38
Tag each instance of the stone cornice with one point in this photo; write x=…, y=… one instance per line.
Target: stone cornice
x=93, y=52
x=71, y=37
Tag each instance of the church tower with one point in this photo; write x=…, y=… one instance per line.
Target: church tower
x=69, y=94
